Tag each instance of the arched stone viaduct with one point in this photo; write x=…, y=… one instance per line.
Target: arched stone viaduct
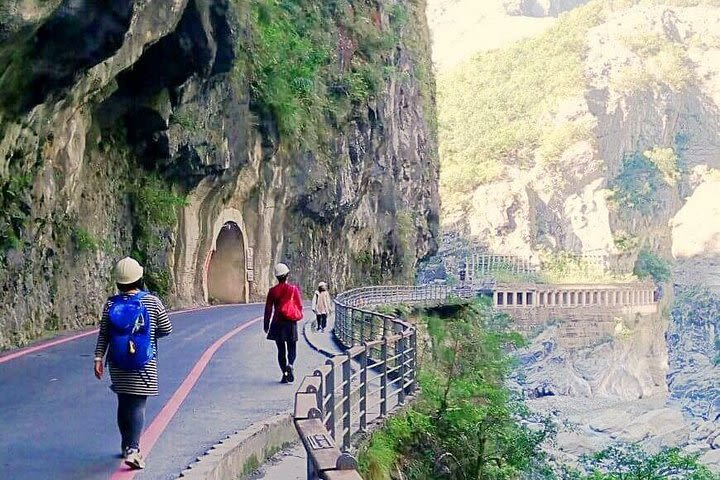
x=610, y=296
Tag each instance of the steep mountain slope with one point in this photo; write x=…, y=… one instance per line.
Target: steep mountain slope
x=590, y=138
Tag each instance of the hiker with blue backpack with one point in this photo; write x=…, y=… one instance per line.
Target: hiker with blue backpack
x=131, y=323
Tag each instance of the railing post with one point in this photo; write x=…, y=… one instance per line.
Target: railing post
x=340, y=322
x=362, y=328
x=363, y=388
x=400, y=350
x=311, y=473
x=331, y=398
x=414, y=373
x=384, y=378
x=351, y=323
x=346, y=402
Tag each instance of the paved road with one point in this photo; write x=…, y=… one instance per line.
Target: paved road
x=58, y=422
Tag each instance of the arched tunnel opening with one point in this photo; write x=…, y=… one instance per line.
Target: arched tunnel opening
x=226, y=270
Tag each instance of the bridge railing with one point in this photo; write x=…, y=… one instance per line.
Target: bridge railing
x=371, y=379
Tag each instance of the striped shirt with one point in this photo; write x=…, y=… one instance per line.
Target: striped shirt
x=136, y=382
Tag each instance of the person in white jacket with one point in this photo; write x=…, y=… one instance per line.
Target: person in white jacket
x=321, y=306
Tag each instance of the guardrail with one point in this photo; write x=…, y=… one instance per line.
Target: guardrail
x=372, y=378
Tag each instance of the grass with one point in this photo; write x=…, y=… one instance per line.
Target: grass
x=15, y=197
x=154, y=206
x=301, y=75
x=666, y=161
x=661, y=62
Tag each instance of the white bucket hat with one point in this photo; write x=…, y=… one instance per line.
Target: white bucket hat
x=281, y=270
x=127, y=271
x=322, y=285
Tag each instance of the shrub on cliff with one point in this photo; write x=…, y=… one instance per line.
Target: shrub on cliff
x=467, y=423
x=650, y=265
x=637, y=185
x=630, y=462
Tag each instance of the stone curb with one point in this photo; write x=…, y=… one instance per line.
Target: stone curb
x=315, y=346
x=241, y=453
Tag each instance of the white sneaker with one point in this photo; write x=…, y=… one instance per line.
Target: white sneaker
x=134, y=459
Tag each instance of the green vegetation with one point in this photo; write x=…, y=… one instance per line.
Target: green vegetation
x=154, y=210
x=625, y=242
x=555, y=140
x=251, y=464
x=661, y=62
x=666, y=161
x=498, y=109
x=566, y=267
x=629, y=462
x=650, y=265
x=466, y=424
x=15, y=211
x=16, y=69
x=84, y=240
x=292, y=66
x=370, y=265
x=637, y=184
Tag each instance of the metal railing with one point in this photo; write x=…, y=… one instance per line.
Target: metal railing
x=371, y=379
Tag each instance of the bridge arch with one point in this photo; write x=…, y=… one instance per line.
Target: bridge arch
x=226, y=264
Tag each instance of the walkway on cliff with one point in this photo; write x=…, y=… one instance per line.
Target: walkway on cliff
x=58, y=422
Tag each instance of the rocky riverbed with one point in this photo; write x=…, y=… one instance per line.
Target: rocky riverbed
x=653, y=382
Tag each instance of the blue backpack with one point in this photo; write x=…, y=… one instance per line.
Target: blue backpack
x=129, y=332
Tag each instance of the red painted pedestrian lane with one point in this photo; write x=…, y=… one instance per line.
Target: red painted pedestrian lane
x=162, y=420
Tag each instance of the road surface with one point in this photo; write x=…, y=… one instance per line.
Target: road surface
x=217, y=375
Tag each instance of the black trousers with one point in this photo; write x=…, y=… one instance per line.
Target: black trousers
x=131, y=419
x=321, y=320
x=287, y=353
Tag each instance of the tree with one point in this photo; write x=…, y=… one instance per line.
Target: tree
x=467, y=424
x=630, y=462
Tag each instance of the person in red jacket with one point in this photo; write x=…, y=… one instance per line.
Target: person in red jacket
x=282, y=330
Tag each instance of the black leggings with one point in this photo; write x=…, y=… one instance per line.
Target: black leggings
x=321, y=320
x=290, y=351
x=131, y=418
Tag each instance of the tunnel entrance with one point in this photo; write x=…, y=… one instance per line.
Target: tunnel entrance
x=226, y=271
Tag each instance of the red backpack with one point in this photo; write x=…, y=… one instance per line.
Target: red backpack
x=292, y=308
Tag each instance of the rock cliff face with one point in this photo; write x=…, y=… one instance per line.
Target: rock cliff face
x=143, y=127
x=694, y=344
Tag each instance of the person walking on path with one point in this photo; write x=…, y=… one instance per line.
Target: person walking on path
x=131, y=323
x=284, y=307
x=321, y=306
